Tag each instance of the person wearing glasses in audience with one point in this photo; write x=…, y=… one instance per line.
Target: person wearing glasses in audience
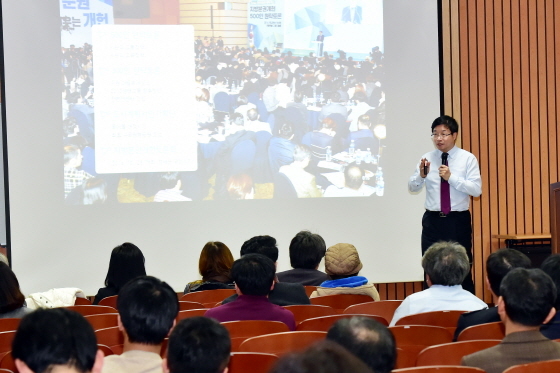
x=451, y=176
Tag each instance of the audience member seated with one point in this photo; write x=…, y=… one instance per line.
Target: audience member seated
x=498, y=265
x=127, y=262
x=298, y=105
x=335, y=106
x=253, y=275
x=320, y=140
x=269, y=96
x=198, y=345
x=368, y=339
x=322, y=357
x=56, y=340
x=551, y=266
x=147, y=311
x=244, y=106
x=354, y=185
x=527, y=301
x=281, y=147
x=306, y=252
x=360, y=109
x=214, y=266
x=363, y=137
x=170, y=188
x=240, y=186
x=342, y=264
x=202, y=110
x=284, y=293
x=73, y=175
x=304, y=183
x=446, y=265
x=253, y=123
x=12, y=301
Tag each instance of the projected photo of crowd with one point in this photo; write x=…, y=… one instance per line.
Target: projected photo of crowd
x=297, y=110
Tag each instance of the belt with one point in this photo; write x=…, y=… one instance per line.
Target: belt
x=442, y=215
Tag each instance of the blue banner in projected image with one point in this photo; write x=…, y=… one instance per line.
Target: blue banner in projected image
x=265, y=26
x=78, y=16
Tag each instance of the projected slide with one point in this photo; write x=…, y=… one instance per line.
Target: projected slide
x=163, y=113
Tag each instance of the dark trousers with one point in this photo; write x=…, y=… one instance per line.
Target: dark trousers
x=454, y=227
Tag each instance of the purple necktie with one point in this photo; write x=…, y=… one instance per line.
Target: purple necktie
x=445, y=197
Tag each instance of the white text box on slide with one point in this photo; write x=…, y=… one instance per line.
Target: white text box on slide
x=144, y=90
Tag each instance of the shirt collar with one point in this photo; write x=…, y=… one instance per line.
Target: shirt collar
x=451, y=152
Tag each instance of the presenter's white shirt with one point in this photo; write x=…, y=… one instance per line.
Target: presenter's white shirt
x=464, y=181
x=438, y=298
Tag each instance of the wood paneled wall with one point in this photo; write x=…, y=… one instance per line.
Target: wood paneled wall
x=231, y=25
x=501, y=82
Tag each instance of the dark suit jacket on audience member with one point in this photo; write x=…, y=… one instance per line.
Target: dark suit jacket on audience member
x=283, y=294
x=552, y=329
x=310, y=277
x=476, y=318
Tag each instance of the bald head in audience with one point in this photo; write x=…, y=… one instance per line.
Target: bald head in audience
x=368, y=339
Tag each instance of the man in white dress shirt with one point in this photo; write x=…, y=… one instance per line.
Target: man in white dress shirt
x=446, y=264
x=451, y=220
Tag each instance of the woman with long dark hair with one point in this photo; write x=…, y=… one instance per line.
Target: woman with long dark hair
x=214, y=266
x=12, y=301
x=127, y=262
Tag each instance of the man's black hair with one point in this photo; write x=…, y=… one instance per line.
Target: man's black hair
x=448, y=122
x=264, y=245
x=500, y=263
x=306, y=250
x=551, y=266
x=253, y=274
x=368, y=339
x=529, y=295
x=57, y=336
x=198, y=345
x=147, y=307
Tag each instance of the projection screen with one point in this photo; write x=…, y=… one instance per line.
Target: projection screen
x=58, y=242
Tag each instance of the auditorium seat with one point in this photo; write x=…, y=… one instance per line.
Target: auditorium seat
x=184, y=305
x=102, y=321
x=341, y=301
x=92, y=310
x=243, y=362
x=111, y=337
x=309, y=289
x=383, y=308
x=305, y=311
x=109, y=301
x=549, y=366
x=82, y=302
x=446, y=319
x=414, y=338
x=6, y=339
x=324, y=323
x=208, y=297
x=10, y=324
x=106, y=350
x=239, y=331
x=452, y=353
x=281, y=343
x=439, y=369
x=7, y=362
x=191, y=313
x=492, y=330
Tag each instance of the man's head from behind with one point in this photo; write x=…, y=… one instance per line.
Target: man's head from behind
x=56, y=340
x=264, y=245
x=198, y=345
x=368, y=339
x=551, y=266
x=306, y=250
x=253, y=274
x=147, y=310
x=527, y=297
x=500, y=263
x=445, y=263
